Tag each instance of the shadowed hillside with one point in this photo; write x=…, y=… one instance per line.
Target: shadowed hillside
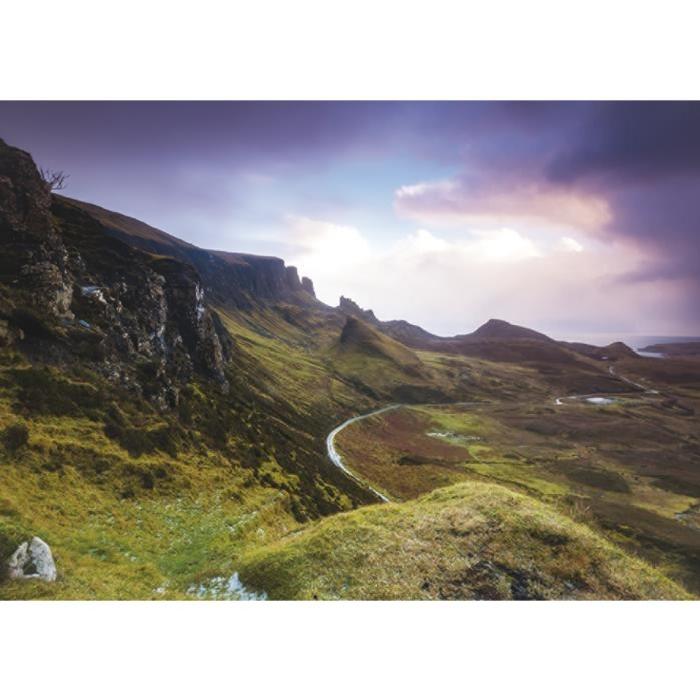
x=358, y=337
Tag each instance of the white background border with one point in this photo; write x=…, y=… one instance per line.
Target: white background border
x=361, y=50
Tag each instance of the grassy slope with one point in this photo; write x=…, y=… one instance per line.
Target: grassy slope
x=128, y=525
x=469, y=541
x=153, y=522
x=628, y=468
x=168, y=501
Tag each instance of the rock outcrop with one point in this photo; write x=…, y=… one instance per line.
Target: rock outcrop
x=32, y=560
x=68, y=288
x=349, y=307
x=37, y=261
x=233, y=280
x=308, y=286
x=407, y=333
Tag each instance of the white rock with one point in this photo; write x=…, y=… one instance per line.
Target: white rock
x=18, y=561
x=33, y=560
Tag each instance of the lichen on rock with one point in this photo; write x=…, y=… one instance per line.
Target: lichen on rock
x=33, y=560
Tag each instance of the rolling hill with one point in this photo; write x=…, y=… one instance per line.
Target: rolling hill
x=467, y=542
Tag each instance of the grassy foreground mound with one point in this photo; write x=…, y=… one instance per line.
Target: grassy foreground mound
x=467, y=541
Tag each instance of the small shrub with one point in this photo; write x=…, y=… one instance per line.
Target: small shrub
x=163, y=438
x=15, y=436
x=135, y=441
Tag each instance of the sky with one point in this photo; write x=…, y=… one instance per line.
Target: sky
x=574, y=218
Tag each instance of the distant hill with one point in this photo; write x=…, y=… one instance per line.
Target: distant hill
x=417, y=337
x=358, y=336
x=675, y=349
x=495, y=329
x=613, y=351
x=403, y=331
x=496, y=340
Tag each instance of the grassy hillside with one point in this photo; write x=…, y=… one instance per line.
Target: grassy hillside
x=358, y=337
x=469, y=541
x=137, y=503
x=628, y=468
x=140, y=504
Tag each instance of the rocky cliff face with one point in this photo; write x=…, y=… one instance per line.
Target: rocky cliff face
x=233, y=280
x=308, y=286
x=68, y=289
x=37, y=261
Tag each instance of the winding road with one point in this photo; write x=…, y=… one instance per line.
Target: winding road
x=337, y=460
x=335, y=457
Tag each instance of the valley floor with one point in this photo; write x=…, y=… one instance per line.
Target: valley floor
x=626, y=466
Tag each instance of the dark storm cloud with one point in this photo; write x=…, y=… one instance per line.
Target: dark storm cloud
x=645, y=158
x=641, y=158
x=633, y=141
x=620, y=171
x=177, y=130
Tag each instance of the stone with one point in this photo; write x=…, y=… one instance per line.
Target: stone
x=32, y=560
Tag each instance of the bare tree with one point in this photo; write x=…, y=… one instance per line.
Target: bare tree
x=54, y=179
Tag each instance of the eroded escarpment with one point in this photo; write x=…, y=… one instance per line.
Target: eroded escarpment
x=69, y=290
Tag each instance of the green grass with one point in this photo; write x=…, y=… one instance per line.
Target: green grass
x=141, y=504
x=133, y=503
x=468, y=541
x=115, y=535
x=627, y=471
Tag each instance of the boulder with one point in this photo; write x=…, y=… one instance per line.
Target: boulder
x=33, y=560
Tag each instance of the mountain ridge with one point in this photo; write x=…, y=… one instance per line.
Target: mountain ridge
x=234, y=279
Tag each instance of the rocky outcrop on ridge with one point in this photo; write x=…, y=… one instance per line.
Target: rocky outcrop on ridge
x=68, y=289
